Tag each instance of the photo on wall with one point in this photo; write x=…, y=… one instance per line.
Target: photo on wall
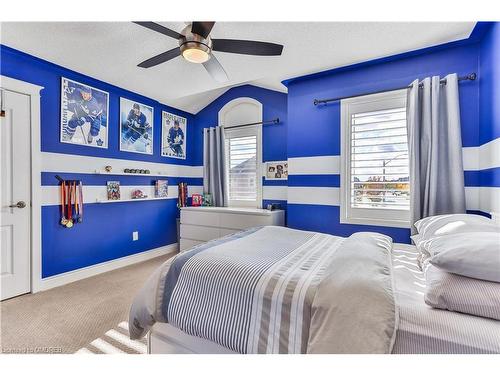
x=84, y=114
x=173, y=136
x=136, y=127
x=277, y=170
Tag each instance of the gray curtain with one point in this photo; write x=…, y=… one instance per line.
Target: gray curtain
x=435, y=148
x=214, y=161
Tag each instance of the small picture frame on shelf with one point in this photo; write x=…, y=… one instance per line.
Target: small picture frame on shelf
x=113, y=190
x=196, y=200
x=161, y=188
x=207, y=200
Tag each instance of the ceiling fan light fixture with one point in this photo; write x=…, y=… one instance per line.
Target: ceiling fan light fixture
x=195, y=54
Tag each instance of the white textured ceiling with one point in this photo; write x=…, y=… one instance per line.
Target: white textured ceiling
x=110, y=51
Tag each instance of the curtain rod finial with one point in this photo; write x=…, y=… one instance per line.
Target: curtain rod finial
x=472, y=76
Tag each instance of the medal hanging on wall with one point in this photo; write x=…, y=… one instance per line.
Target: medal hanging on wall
x=63, y=206
x=80, y=202
x=69, y=211
x=71, y=203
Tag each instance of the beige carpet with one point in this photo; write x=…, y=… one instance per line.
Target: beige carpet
x=68, y=318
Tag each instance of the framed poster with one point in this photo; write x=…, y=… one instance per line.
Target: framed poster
x=277, y=170
x=136, y=127
x=84, y=114
x=173, y=135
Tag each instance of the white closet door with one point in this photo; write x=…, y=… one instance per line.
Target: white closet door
x=15, y=195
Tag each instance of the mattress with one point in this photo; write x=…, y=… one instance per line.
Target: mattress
x=423, y=329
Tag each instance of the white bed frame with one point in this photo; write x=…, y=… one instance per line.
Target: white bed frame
x=167, y=339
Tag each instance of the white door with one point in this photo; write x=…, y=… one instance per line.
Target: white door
x=15, y=194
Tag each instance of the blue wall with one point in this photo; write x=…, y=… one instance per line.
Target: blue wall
x=490, y=85
x=322, y=123
x=274, y=137
x=106, y=232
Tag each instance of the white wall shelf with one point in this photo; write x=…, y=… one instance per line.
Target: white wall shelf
x=97, y=171
x=131, y=200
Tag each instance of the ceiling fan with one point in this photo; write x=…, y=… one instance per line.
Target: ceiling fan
x=196, y=46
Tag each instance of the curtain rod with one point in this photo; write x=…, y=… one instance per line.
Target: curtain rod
x=273, y=121
x=468, y=77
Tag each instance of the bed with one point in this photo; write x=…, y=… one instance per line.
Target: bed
x=279, y=290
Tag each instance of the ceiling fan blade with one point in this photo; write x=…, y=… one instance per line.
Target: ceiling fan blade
x=247, y=47
x=161, y=58
x=202, y=28
x=215, y=69
x=158, y=28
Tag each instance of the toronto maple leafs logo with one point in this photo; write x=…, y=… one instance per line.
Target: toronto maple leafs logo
x=99, y=142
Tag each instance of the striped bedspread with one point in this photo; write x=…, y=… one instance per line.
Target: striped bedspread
x=253, y=292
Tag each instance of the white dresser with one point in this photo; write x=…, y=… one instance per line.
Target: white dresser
x=202, y=224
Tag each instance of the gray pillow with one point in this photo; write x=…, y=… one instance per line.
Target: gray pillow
x=452, y=292
x=474, y=255
x=442, y=225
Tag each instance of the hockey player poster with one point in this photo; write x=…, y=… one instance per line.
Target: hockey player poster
x=84, y=114
x=173, y=136
x=136, y=127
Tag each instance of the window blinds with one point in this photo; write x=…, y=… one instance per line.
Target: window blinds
x=379, y=160
x=243, y=168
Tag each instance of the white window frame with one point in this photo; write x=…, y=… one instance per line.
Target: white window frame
x=366, y=216
x=246, y=132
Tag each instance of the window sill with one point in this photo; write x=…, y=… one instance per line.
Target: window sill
x=376, y=222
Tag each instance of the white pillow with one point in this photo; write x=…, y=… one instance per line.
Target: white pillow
x=443, y=225
x=474, y=255
x=452, y=292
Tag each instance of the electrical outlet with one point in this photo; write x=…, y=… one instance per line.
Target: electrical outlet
x=135, y=236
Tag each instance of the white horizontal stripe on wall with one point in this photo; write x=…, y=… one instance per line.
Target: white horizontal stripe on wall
x=91, y=194
x=275, y=193
x=314, y=165
x=470, y=158
x=482, y=157
x=68, y=163
x=327, y=196
x=474, y=158
x=489, y=154
x=486, y=199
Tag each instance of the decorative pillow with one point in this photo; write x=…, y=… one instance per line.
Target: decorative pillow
x=474, y=255
x=442, y=225
x=452, y=292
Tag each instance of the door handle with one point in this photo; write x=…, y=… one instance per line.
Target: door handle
x=19, y=204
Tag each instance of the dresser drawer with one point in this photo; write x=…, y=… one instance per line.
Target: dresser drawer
x=187, y=244
x=242, y=221
x=199, y=232
x=210, y=219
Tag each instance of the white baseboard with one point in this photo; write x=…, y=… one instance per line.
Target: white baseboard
x=83, y=273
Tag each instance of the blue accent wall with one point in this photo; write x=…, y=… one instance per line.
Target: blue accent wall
x=274, y=137
x=490, y=84
x=315, y=130
x=106, y=232
x=19, y=65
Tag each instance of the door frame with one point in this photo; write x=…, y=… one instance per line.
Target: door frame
x=33, y=91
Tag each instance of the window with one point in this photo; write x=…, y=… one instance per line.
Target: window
x=243, y=150
x=375, y=187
